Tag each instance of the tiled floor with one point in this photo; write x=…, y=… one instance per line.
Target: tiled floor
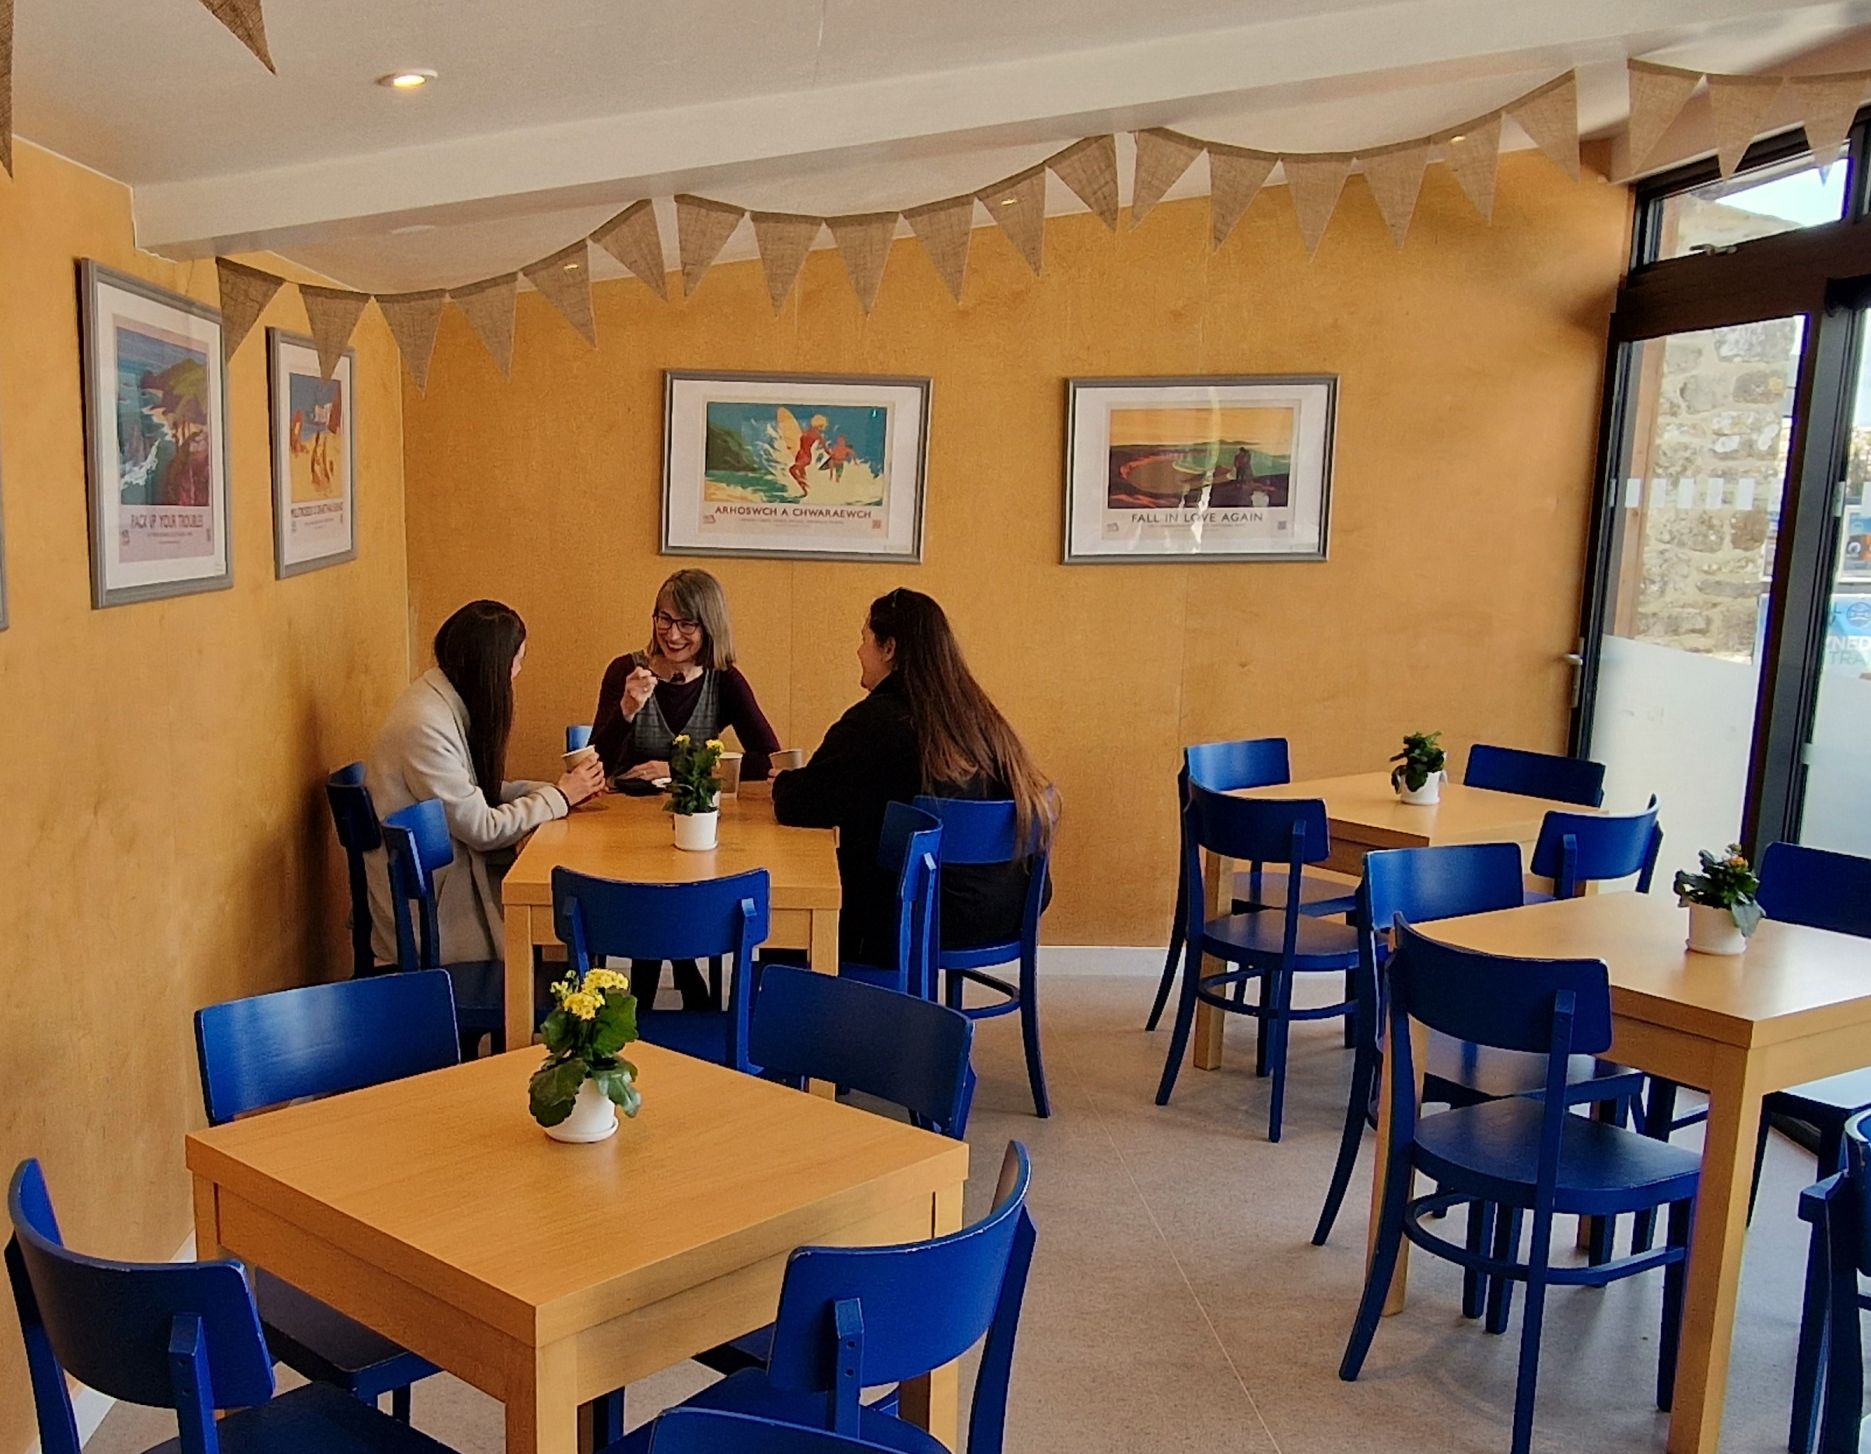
x=1177, y=1304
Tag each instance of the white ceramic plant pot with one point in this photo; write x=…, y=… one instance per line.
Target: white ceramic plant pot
x=696, y=832
x=593, y=1117
x=1429, y=792
x=1712, y=930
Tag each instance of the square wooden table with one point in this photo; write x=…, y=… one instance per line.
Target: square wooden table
x=435, y=1210
x=1794, y=1008
x=631, y=838
x=1363, y=814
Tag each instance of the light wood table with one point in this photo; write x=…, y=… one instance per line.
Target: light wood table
x=631, y=838
x=1364, y=814
x=436, y=1211
x=1795, y=1007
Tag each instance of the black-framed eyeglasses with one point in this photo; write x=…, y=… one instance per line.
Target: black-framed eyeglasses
x=665, y=622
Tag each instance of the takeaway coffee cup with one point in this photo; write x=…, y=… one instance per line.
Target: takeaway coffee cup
x=789, y=757
x=728, y=770
x=578, y=755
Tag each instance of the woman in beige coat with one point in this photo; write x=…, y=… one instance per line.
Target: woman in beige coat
x=446, y=738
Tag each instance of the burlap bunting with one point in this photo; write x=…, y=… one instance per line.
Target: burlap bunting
x=1658, y=94
x=489, y=306
x=1473, y=153
x=1089, y=168
x=1315, y=182
x=6, y=86
x=1828, y=105
x=1737, y=105
x=864, y=243
x=784, y=239
x=564, y=279
x=414, y=319
x=1019, y=206
x=702, y=230
x=1235, y=174
x=245, y=292
x=945, y=229
x=633, y=238
x=333, y=314
x=244, y=19
x=1162, y=157
x=1550, y=115
x=1395, y=177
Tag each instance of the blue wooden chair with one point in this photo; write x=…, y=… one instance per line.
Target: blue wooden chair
x=1222, y=767
x=698, y=1431
x=1536, y=774
x=1575, y=850
x=577, y=737
x=720, y=917
x=354, y=815
x=418, y=847
x=1423, y=885
x=910, y=847
x=321, y=1040
x=1523, y=1155
x=181, y=1336
x=1265, y=946
x=852, y=1318
x=984, y=833
x=1839, y=1208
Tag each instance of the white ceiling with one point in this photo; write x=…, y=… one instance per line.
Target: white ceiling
x=549, y=115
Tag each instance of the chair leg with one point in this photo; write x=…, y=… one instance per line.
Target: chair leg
x=1185, y=1018
x=1501, y=1289
x=1475, y=1283
x=1527, y=1383
x=952, y=986
x=1279, y=993
x=1674, y=1278
x=1809, y=1360
x=1760, y=1161
x=1029, y=1032
x=1383, y=1265
x=1659, y=1113
x=1357, y=1108
x=1263, y=1026
x=607, y=1418
x=1351, y=1022
x=399, y=1404
x=1173, y=959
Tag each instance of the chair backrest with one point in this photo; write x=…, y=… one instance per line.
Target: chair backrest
x=577, y=737
x=910, y=847
x=1290, y=831
x=1255, y=762
x=1442, y=882
x=987, y=831
x=1858, y=1182
x=708, y=1431
x=1575, y=849
x=853, y=1317
x=417, y=845
x=354, y=815
x=184, y=1336
x=1817, y=887
x=322, y=1039
x=909, y=1051
x=1536, y=774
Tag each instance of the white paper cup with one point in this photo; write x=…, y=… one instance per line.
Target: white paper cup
x=788, y=758
x=728, y=770
x=578, y=755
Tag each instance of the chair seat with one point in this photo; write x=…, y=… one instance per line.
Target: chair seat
x=1319, y=897
x=982, y=956
x=749, y=1392
x=700, y=1033
x=318, y=1342
x=871, y=974
x=1831, y=1101
x=1490, y=1074
x=751, y=1350
x=1493, y=1151
x=316, y=1419
x=1538, y=896
x=1320, y=943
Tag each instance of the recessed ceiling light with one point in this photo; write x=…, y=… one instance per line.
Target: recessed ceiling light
x=411, y=78
x=571, y=267
x=411, y=229
x=1009, y=201
x=1458, y=138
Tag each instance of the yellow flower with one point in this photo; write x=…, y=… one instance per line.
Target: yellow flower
x=715, y=744
x=599, y=980
x=582, y=1004
x=681, y=739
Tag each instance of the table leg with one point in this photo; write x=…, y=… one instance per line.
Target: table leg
x=207, y=1220
x=1217, y=899
x=1721, y=1225
x=519, y=988
x=822, y=957
x=1380, y=1166
x=542, y=1408
x=933, y=1402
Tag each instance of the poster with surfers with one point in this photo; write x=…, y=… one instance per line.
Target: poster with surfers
x=314, y=455
x=155, y=440
x=1236, y=468
x=794, y=465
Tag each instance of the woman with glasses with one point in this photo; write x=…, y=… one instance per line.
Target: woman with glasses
x=685, y=680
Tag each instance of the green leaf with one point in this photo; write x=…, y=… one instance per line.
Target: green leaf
x=615, y=1025
x=1747, y=914
x=556, y=1032
x=554, y=1090
x=618, y=1086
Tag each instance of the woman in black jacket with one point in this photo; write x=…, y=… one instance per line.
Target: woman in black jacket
x=926, y=726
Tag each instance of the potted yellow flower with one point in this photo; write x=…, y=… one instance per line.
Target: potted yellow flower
x=695, y=792
x=578, y=1091
x=1723, y=912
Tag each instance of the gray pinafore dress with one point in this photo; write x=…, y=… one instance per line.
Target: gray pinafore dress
x=651, y=736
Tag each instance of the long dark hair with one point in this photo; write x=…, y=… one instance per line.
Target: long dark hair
x=961, y=735
x=475, y=650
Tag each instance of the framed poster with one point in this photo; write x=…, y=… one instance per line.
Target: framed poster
x=156, y=452
x=1236, y=468
x=314, y=455
x=828, y=467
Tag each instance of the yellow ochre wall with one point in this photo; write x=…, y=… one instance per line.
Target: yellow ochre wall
x=1469, y=369
x=167, y=842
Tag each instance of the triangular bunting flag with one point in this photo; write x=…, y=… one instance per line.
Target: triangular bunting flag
x=945, y=229
x=565, y=281
x=864, y=243
x=1658, y=94
x=1235, y=174
x=784, y=239
x=633, y=238
x=245, y=292
x=1315, y=182
x=413, y=320
x=6, y=86
x=249, y=26
x=1737, y=105
x=1828, y=105
x=1089, y=168
x=1473, y=153
x=1018, y=204
x=1395, y=177
x=1162, y=158
x=489, y=305
x=702, y=230
x=1550, y=116
x=333, y=314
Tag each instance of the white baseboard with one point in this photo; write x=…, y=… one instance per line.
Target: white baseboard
x=1101, y=959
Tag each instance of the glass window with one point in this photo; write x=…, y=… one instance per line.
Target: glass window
x=1783, y=197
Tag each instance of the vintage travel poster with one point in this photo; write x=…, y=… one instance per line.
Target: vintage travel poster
x=314, y=458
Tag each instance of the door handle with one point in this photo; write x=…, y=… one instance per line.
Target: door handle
x=1573, y=658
